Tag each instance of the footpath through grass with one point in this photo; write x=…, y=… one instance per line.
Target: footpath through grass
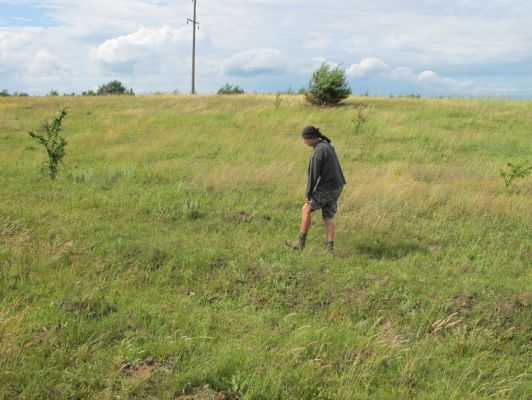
x=154, y=266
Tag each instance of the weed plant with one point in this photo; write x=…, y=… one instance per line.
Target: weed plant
x=49, y=136
x=359, y=120
x=515, y=171
x=278, y=100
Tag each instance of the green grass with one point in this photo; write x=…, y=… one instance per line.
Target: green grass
x=154, y=266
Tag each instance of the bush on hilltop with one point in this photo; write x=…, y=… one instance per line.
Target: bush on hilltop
x=328, y=86
x=230, y=89
x=113, y=87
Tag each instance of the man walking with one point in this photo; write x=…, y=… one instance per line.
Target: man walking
x=324, y=186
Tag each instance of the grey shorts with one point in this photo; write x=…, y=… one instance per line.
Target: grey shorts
x=326, y=201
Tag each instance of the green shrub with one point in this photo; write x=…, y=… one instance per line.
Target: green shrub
x=515, y=171
x=230, y=89
x=113, y=87
x=49, y=136
x=4, y=93
x=328, y=86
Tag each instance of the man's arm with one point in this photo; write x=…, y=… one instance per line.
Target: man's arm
x=314, y=172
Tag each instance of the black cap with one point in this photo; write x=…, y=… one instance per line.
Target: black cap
x=310, y=132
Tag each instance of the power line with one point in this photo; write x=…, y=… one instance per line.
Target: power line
x=194, y=24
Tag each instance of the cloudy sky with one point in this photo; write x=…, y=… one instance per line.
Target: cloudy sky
x=429, y=47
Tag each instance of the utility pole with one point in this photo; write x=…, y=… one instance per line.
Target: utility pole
x=194, y=24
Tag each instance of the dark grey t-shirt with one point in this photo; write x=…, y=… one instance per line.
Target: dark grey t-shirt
x=324, y=171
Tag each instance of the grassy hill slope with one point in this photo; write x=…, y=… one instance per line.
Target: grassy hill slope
x=154, y=266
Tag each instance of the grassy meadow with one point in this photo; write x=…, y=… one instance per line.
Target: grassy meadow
x=154, y=266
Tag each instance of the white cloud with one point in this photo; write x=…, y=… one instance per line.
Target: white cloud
x=368, y=66
x=21, y=59
x=399, y=42
x=403, y=74
x=45, y=63
x=254, y=62
x=431, y=80
x=12, y=60
x=307, y=67
x=428, y=77
x=317, y=41
x=8, y=42
x=145, y=46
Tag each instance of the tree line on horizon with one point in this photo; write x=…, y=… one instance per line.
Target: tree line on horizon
x=328, y=86
x=114, y=87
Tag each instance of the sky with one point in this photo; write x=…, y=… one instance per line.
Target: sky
x=432, y=48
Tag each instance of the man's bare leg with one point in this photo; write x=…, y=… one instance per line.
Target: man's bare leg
x=306, y=218
x=329, y=232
